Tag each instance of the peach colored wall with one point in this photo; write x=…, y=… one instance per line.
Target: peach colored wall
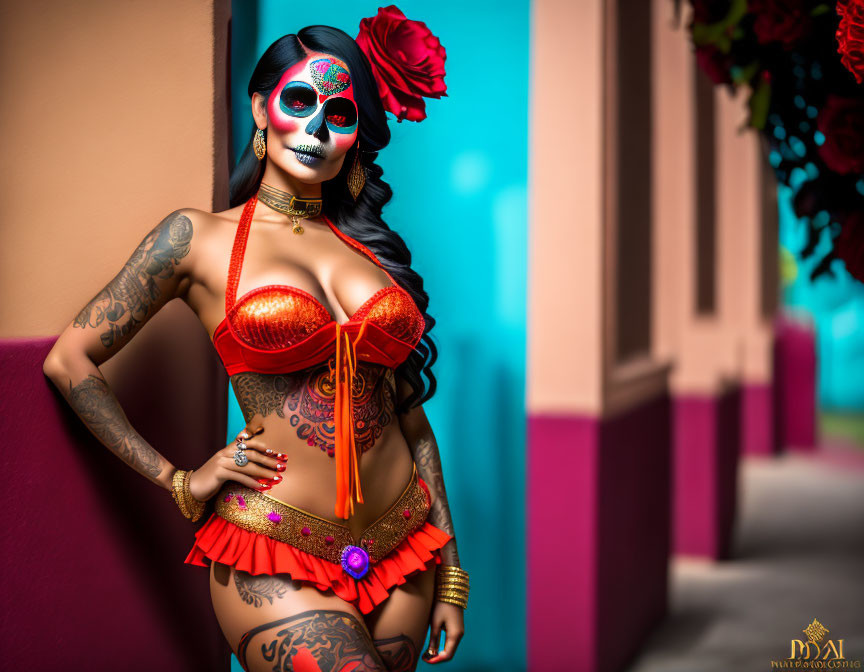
x=114, y=115
x=696, y=343
x=574, y=205
x=740, y=212
x=733, y=343
x=108, y=124
x=565, y=283
x=674, y=170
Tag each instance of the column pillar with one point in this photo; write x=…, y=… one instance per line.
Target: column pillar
x=748, y=251
x=598, y=425
x=692, y=327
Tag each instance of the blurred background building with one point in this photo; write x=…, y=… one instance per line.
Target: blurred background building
x=649, y=412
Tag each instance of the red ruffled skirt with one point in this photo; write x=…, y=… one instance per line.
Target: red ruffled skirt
x=256, y=553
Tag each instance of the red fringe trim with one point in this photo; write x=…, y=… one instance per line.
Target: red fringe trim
x=224, y=542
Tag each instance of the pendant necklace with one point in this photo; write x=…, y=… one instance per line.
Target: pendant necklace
x=293, y=206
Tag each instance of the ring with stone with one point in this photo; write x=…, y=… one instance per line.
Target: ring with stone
x=241, y=445
x=240, y=458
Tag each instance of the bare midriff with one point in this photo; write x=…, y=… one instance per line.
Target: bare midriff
x=296, y=411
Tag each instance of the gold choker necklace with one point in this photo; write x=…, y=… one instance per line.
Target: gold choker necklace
x=292, y=206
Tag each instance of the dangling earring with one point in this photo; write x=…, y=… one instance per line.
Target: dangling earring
x=357, y=175
x=258, y=144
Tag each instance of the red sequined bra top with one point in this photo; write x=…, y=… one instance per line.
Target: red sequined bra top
x=281, y=329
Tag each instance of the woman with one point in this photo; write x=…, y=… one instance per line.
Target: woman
x=324, y=348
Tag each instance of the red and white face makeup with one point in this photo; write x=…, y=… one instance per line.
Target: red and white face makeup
x=313, y=116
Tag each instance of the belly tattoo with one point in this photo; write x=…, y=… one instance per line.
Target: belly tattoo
x=307, y=400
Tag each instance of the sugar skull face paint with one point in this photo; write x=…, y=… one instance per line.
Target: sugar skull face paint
x=313, y=109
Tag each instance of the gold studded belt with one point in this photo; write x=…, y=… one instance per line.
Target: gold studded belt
x=260, y=513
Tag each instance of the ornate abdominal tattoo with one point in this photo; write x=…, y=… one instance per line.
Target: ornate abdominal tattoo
x=307, y=399
x=126, y=301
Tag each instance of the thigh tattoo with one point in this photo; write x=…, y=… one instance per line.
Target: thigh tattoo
x=254, y=589
x=332, y=638
x=398, y=653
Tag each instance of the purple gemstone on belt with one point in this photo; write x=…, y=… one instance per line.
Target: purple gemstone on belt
x=306, y=531
x=274, y=517
x=228, y=497
x=241, y=502
x=355, y=561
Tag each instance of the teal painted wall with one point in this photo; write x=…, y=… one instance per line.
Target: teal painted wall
x=460, y=181
x=836, y=306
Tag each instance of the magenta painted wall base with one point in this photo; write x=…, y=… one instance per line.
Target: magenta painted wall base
x=706, y=436
x=795, y=379
x=598, y=536
x=93, y=575
x=757, y=420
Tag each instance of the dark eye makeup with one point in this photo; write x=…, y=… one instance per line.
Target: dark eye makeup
x=298, y=99
x=341, y=115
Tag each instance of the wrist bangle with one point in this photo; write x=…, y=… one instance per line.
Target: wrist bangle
x=190, y=507
x=452, y=585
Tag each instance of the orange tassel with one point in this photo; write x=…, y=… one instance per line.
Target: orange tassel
x=347, y=460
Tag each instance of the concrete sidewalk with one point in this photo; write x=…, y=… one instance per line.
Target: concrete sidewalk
x=798, y=555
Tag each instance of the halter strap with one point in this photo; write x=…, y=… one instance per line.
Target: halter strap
x=238, y=252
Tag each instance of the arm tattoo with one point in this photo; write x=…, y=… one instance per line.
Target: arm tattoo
x=254, y=589
x=124, y=304
x=97, y=406
x=428, y=461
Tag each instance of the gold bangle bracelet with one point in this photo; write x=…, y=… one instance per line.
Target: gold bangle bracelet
x=451, y=582
x=450, y=596
x=452, y=585
x=458, y=603
x=194, y=506
x=451, y=589
x=450, y=579
x=176, y=488
x=190, y=507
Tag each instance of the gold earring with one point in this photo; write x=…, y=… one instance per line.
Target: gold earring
x=357, y=175
x=259, y=146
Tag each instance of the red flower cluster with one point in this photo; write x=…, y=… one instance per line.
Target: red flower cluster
x=841, y=121
x=714, y=63
x=850, y=36
x=407, y=61
x=784, y=21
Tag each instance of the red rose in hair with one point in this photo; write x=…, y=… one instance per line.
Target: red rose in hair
x=849, y=245
x=850, y=36
x=841, y=121
x=407, y=61
x=784, y=21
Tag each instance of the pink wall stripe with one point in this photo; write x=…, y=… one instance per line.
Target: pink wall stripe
x=598, y=536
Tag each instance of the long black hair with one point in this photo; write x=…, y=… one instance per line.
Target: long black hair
x=360, y=219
